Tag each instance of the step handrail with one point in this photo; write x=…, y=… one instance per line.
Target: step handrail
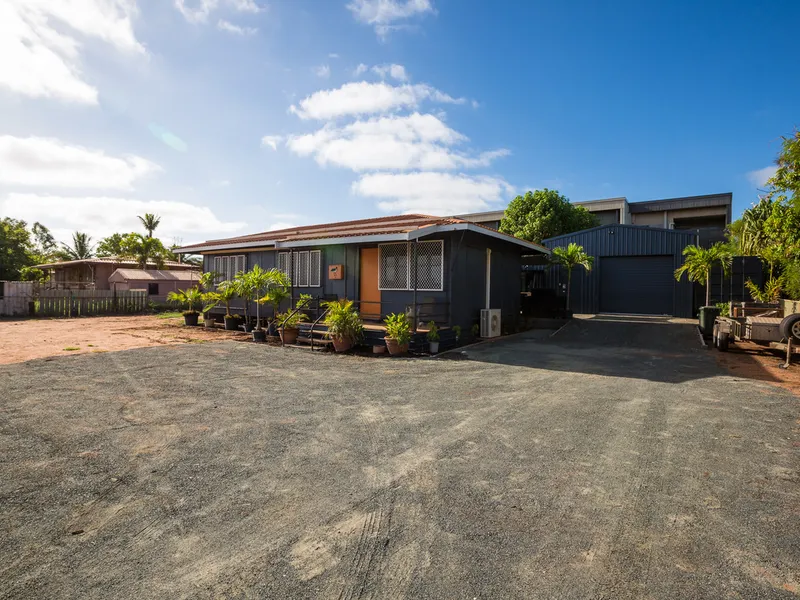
x=314, y=324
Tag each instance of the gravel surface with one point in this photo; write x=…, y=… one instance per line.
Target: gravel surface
x=613, y=460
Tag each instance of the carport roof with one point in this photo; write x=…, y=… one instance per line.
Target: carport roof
x=381, y=229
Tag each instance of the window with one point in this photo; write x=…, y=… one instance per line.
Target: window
x=152, y=289
x=227, y=267
x=396, y=270
x=306, y=267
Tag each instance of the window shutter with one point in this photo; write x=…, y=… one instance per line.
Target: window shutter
x=315, y=269
x=302, y=264
x=430, y=261
x=393, y=266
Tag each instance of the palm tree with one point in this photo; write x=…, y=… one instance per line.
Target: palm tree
x=699, y=262
x=190, y=298
x=262, y=281
x=150, y=222
x=81, y=247
x=570, y=257
x=146, y=250
x=277, y=290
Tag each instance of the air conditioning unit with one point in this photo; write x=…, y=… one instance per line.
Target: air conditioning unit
x=490, y=322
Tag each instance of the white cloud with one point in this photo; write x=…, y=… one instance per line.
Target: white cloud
x=390, y=143
x=397, y=72
x=432, y=193
x=271, y=141
x=360, y=98
x=323, y=71
x=236, y=29
x=102, y=216
x=49, y=162
x=333, y=55
x=759, y=177
x=198, y=11
x=360, y=69
x=388, y=15
x=40, y=44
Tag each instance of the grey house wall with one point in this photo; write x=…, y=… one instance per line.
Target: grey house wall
x=464, y=282
x=621, y=240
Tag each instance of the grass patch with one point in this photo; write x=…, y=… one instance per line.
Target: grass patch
x=170, y=315
x=72, y=348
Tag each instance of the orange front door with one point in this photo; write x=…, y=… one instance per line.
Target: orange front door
x=370, y=295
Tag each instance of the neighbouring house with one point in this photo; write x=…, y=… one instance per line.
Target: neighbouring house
x=157, y=282
x=93, y=273
x=707, y=216
x=437, y=268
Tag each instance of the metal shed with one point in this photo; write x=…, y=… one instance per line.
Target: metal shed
x=633, y=271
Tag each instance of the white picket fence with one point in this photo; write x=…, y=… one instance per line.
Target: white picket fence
x=16, y=298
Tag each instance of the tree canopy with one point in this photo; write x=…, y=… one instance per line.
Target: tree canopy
x=543, y=214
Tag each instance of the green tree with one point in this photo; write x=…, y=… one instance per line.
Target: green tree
x=111, y=245
x=543, y=214
x=144, y=250
x=570, y=257
x=699, y=261
x=16, y=248
x=81, y=247
x=150, y=223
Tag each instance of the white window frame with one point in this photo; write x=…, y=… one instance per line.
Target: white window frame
x=292, y=262
x=409, y=254
x=228, y=272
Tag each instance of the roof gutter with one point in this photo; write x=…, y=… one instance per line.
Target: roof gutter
x=355, y=239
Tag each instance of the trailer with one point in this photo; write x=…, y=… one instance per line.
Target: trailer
x=770, y=325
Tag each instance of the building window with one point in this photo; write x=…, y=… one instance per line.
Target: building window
x=396, y=270
x=152, y=289
x=306, y=267
x=226, y=267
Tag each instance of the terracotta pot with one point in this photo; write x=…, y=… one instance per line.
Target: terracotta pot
x=379, y=349
x=190, y=319
x=395, y=349
x=289, y=334
x=341, y=344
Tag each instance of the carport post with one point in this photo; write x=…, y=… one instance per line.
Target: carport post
x=414, y=324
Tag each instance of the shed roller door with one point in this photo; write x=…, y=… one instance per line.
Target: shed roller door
x=642, y=285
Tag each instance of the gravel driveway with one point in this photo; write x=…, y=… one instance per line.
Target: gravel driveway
x=614, y=460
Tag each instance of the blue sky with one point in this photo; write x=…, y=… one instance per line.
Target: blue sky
x=236, y=116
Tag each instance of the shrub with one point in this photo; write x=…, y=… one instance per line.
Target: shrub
x=398, y=328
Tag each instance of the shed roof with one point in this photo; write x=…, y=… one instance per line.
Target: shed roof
x=400, y=227
x=121, y=275
x=113, y=260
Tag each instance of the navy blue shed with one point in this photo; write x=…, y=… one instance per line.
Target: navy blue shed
x=633, y=271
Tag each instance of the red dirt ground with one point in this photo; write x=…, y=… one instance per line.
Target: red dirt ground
x=751, y=361
x=22, y=340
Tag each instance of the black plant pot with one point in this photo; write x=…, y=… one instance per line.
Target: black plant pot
x=248, y=327
x=259, y=335
x=190, y=319
x=272, y=331
x=231, y=324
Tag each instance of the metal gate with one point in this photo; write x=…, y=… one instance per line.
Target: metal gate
x=642, y=285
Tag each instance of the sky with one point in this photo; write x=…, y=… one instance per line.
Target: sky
x=228, y=117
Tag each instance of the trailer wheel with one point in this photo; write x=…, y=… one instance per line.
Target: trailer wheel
x=723, y=341
x=790, y=327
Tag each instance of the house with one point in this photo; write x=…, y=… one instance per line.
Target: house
x=437, y=268
x=93, y=273
x=158, y=283
x=707, y=216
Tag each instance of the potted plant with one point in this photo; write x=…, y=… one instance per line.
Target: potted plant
x=433, y=337
x=398, y=333
x=457, y=331
x=191, y=298
x=243, y=283
x=476, y=331
x=262, y=281
x=226, y=292
x=289, y=330
x=345, y=327
x=277, y=290
x=210, y=300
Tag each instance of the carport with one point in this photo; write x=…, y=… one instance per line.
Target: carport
x=633, y=271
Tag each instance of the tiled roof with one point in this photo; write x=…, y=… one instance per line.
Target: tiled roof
x=153, y=275
x=376, y=226
x=111, y=260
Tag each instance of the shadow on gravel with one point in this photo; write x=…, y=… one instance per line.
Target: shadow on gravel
x=648, y=348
